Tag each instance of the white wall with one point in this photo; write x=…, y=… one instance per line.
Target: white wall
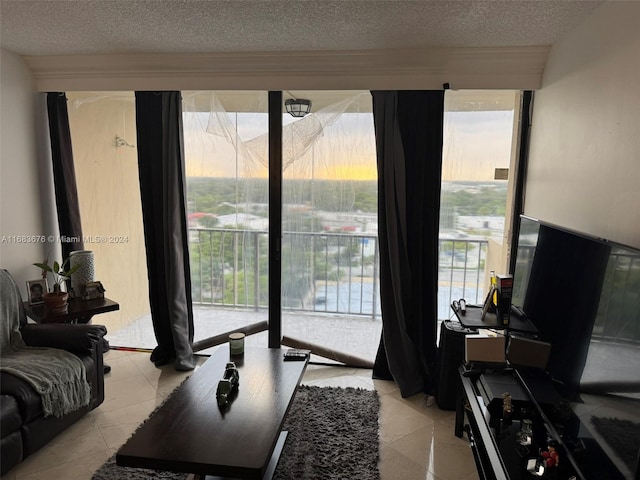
x=584, y=162
x=26, y=185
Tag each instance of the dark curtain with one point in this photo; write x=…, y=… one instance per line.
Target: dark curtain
x=162, y=188
x=408, y=129
x=64, y=175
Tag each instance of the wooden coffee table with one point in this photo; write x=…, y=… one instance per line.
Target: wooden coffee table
x=190, y=434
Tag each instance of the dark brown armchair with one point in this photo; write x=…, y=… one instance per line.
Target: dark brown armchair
x=24, y=426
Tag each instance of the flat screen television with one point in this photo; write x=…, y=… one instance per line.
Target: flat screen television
x=583, y=295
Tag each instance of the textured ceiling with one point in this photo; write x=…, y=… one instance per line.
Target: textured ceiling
x=70, y=27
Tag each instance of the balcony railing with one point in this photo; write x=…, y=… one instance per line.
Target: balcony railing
x=333, y=273
x=338, y=273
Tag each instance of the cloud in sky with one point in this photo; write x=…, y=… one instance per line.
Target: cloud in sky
x=475, y=143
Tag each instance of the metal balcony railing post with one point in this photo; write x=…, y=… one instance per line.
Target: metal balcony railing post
x=222, y=265
x=338, y=275
x=326, y=270
x=200, y=267
x=361, y=242
x=234, y=246
x=256, y=272
x=350, y=274
x=376, y=269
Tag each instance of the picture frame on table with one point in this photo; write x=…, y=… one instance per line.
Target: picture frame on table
x=36, y=290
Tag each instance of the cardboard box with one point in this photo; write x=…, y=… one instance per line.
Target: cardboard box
x=484, y=348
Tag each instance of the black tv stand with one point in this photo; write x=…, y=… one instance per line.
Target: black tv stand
x=499, y=452
x=473, y=319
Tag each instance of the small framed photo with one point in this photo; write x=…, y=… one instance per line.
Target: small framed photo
x=36, y=290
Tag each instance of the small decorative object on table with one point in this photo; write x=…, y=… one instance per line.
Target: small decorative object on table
x=36, y=290
x=490, y=301
x=228, y=385
x=535, y=467
x=525, y=434
x=92, y=290
x=550, y=456
x=236, y=343
x=83, y=275
x=507, y=406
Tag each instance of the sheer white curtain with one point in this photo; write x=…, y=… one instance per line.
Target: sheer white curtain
x=329, y=174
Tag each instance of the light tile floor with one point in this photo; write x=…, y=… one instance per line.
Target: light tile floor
x=416, y=440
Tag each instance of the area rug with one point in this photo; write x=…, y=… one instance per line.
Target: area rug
x=333, y=435
x=623, y=436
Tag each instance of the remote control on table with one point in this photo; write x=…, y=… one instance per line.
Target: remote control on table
x=296, y=354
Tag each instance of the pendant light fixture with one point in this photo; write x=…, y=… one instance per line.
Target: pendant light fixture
x=297, y=107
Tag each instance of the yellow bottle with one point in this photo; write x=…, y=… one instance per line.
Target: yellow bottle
x=494, y=288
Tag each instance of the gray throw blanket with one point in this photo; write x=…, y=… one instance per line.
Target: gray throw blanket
x=58, y=376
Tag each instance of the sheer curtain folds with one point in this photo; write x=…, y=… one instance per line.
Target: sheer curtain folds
x=409, y=132
x=162, y=189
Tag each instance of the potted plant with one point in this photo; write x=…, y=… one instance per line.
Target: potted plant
x=56, y=300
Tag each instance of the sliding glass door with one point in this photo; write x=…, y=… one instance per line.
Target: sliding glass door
x=328, y=216
x=226, y=159
x=329, y=285
x=330, y=282
x=479, y=167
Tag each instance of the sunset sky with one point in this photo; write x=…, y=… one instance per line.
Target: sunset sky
x=337, y=146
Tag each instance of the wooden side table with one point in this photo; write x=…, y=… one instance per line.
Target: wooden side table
x=79, y=311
